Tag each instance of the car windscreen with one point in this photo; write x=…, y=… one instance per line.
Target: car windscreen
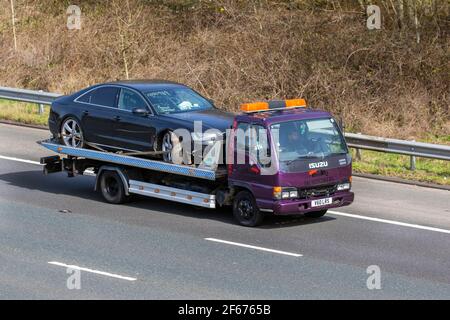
x=176, y=100
x=305, y=139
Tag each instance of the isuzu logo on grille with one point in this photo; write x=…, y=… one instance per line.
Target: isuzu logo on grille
x=321, y=164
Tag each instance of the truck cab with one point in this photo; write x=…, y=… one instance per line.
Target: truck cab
x=287, y=159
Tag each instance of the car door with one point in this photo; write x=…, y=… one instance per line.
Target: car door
x=132, y=130
x=99, y=111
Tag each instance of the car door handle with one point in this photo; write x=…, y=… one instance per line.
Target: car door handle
x=117, y=118
x=85, y=113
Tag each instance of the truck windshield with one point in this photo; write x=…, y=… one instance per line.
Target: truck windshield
x=305, y=139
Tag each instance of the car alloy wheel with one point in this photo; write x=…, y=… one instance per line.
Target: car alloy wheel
x=167, y=147
x=71, y=133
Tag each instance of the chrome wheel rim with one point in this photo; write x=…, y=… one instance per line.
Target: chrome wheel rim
x=167, y=147
x=71, y=133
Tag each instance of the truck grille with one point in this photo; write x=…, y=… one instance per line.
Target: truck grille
x=317, y=191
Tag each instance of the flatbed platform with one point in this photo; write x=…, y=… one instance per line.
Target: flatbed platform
x=133, y=161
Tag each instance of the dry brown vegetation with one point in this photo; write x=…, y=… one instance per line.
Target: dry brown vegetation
x=382, y=82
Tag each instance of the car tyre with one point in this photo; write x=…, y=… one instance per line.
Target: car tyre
x=246, y=211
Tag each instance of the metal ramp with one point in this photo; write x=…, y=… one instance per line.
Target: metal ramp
x=130, y=161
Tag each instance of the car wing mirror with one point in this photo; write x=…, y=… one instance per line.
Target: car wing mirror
x=140, y=112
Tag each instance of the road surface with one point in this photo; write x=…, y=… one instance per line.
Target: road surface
x=154, y=249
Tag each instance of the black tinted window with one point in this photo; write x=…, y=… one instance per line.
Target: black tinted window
x=129, y=100
x=85, y=98
x=105, y=96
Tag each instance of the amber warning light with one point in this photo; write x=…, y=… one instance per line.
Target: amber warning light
x=273, y=105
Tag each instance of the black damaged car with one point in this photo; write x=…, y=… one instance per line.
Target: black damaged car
x=133, y=116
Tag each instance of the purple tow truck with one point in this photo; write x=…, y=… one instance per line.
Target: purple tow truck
x=300, y=162
x=281, y=158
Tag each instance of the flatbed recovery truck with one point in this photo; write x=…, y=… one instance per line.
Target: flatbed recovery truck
x=294, y=160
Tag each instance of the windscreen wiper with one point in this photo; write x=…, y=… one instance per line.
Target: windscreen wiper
x=303, y=157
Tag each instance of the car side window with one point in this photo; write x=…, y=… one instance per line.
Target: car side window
x=129, y=100
x=85, y=97
x=104, y=96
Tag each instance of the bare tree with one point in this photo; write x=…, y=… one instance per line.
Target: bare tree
x=400, y=10
x=362, y=4
x=126, y=19
x=416, y=21
x=13, y=25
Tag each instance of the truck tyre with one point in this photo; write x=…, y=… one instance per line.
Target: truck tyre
x=315, y=214
x=112, y=188
x=246, y=211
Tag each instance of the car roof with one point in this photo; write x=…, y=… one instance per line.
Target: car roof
x=146, y=84
x=270, y=117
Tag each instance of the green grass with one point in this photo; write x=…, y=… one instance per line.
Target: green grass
x=23, y=112
x=434, y=171
x=387, y=164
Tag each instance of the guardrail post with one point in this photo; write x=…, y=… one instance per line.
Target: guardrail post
x=41, y=106
x=358, y=154
x=412, y=160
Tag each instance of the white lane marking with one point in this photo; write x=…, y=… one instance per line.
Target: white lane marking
x=20, y=160
x=255, y=247
x=112, y=275
x=398, y=223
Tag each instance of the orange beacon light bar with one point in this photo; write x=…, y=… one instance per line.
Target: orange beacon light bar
x=273, y=105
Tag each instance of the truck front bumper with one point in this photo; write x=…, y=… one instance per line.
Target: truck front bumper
x=292, y=207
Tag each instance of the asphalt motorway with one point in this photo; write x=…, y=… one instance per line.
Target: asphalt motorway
x=154, y=249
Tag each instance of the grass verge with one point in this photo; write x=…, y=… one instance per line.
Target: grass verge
x=393, y=165
x=23, y=112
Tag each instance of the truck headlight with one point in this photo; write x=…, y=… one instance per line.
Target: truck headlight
x=293, y=194
x=285, y=193
x=343, y=186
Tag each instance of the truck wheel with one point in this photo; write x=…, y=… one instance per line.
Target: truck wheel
x=315, y=214
x=246, y=211
x=112, y=187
